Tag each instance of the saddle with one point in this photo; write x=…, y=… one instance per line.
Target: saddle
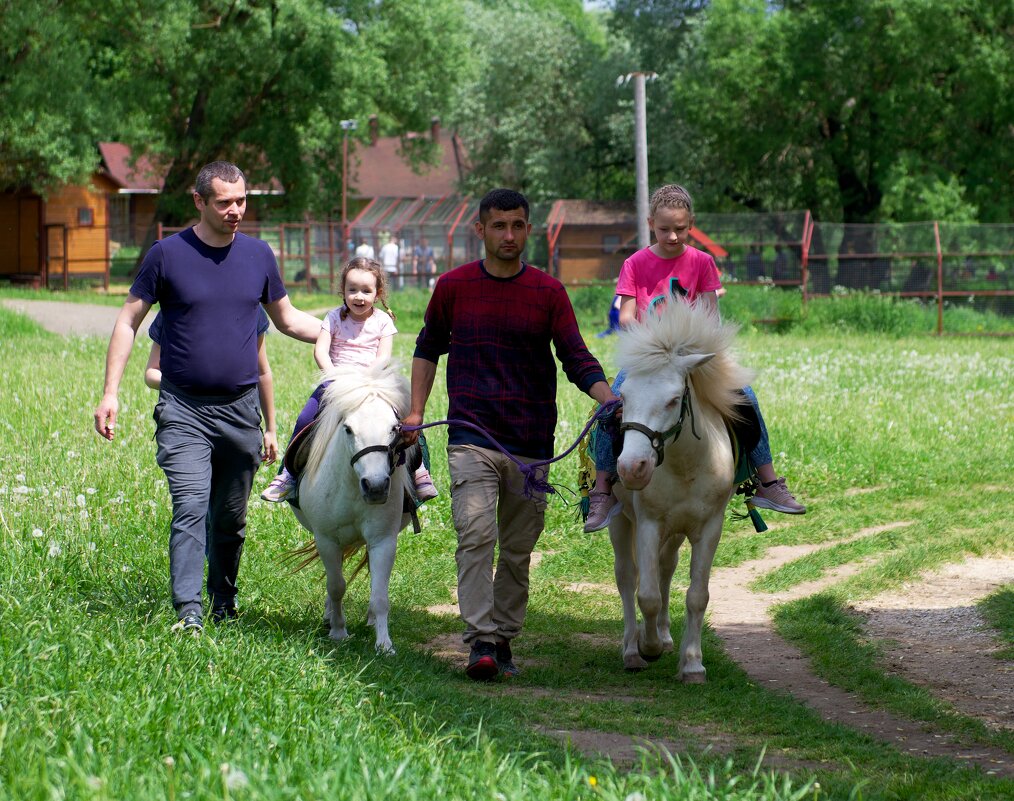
x=298, y=452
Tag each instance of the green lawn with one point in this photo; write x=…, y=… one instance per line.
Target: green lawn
x=99, y=700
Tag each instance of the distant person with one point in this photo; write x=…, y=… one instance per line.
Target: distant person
x=754, y=264
x=424, y=263
x=210, y=282
x=389, y=257
x=356, y=334
x=365, y=250
x=673, y=270
x=498, y=320
x=614, y=318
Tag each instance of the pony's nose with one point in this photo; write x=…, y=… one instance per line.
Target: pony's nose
x=375, y=491
x=635, y=473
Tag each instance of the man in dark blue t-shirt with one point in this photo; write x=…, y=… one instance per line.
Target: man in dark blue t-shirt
x=209, y=281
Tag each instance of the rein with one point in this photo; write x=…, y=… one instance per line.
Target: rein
x=533, y=482
x=659, y=438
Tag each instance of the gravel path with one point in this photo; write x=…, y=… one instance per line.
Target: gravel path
x=72, y=319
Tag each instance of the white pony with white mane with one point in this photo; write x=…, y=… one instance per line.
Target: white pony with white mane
x=676, y=472
x=352, y=491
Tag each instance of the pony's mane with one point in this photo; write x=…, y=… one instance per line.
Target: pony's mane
x=659, y=340
x=351, y=387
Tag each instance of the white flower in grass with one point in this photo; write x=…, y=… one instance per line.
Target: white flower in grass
x=71, y=454
x=636, y=796
x=90, y=490
x=91, y=546
x=80, y=501
x=22, y=490
x=20, y=477
x=55, y=435
x=38, y=533
x=54, y=550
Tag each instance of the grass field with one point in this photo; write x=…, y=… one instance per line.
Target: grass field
x=99, y=700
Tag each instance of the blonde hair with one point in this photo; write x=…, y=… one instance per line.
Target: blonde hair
x=671, y=196
x=377, y=271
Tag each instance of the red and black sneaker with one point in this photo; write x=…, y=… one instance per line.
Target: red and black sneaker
x=482, y=664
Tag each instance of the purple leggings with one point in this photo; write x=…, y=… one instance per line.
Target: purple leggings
x=309, y=412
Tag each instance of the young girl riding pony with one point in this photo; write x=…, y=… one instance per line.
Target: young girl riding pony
x=355, y=334
x=670, y=269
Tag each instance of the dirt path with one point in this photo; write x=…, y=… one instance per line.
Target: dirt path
x=71, y=319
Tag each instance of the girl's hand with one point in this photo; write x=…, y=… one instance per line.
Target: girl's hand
x=270, y=453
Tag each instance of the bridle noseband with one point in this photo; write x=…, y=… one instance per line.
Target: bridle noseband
x=658, y=439
x=395, y=452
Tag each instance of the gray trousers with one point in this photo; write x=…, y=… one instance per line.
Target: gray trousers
x=209, y=448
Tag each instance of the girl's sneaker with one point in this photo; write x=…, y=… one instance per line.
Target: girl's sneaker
x=425, y=490
x=280, y=488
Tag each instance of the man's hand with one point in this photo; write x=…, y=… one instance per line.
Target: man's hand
x=105, y=416
x=411, y=419
x=270, y=447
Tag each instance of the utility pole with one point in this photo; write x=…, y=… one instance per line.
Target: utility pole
x=346, y=126
x=640, y=151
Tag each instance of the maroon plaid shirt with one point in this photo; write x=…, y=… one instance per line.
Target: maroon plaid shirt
x=501, y=375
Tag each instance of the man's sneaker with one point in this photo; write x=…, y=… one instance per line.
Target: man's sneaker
x=777, y=497
x=225, y=614
x=482, y=664
x=425, y=490
x=280, y=488
x=505, y=659
x=602, y=507
x=190, y=622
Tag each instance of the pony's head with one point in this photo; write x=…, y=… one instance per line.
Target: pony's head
x=360, y=416
x=662, y=356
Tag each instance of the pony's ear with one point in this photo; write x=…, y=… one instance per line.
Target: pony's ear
x=696, y=360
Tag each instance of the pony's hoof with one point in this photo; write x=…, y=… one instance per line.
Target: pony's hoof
x=385, y=649
x=633, y=663
x=649, y=657
x=338, y=635
x=699, y=677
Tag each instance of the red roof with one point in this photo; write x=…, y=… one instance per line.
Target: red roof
x=379, y=170
x=142, y=177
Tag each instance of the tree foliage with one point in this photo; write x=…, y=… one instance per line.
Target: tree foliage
x=837, y=105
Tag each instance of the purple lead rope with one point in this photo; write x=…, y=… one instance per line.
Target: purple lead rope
x=533, y=483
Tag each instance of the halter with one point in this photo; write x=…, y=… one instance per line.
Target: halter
x=395, y=452
x=659, y=438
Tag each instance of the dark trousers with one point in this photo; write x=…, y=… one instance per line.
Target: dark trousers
x=209, y=449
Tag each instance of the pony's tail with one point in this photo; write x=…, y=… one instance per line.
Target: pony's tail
x=306, y=555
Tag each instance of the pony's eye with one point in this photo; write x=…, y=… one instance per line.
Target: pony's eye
x=673, y=402
x=348, y=430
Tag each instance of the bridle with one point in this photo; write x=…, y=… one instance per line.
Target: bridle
x=658, y=439
x=395, y=452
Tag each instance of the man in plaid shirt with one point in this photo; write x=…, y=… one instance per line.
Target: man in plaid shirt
x=498, y=320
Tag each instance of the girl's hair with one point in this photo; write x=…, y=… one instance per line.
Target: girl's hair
x=671, y=196
x=377, y=270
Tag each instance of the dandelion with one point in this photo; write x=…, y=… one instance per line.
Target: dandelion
x=71, y=454
x=593, y=781
x=636, y=796
x=22, y=490
x=20, y=477
x=80, y=501
x=38, y=532
x=90, y=490
x=54, y=550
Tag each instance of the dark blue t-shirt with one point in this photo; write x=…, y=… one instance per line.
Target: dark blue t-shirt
x=209, y=299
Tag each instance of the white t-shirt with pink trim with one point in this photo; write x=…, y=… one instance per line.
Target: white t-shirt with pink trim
x=650, y=279
x=356, y=343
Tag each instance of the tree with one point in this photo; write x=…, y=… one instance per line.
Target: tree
x=817, y=105
x=50, y=109
x=538, y=108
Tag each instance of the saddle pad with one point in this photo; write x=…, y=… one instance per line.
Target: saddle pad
x=299, y=450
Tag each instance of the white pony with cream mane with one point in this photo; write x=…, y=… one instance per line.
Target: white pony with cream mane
x=352, y=489
x=676, y=472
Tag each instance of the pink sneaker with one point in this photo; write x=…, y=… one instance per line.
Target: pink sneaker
x=280, y=488
x=425, y=489
x=602, y=507
x=777, y=498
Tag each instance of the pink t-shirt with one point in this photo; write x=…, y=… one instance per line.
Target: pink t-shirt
x=356, y=343
x=650, y=279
